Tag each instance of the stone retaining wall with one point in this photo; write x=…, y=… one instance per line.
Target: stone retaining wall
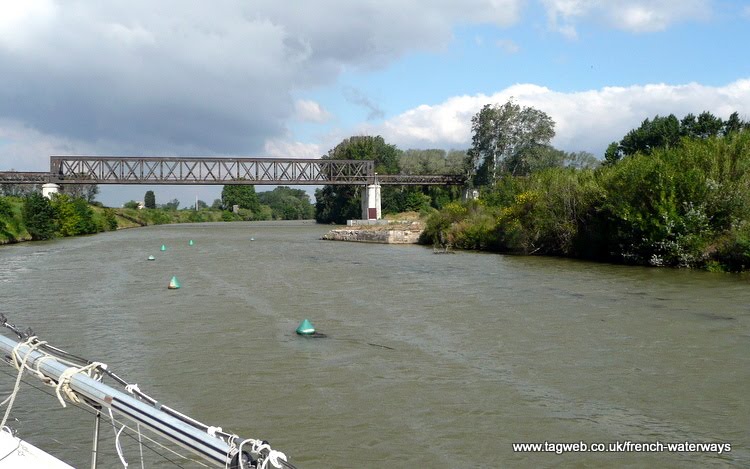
x=408, y=236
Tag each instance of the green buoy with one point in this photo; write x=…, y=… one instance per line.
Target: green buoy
x=174, y=284
x=163, y=247
x=305, y=328
x=151, y=258
x=190, y=243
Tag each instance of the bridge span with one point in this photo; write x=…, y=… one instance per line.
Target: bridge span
x=203, y=170
x=199, y=171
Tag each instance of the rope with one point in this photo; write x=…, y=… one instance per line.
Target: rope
x=32, y=344
x=117, y=439
x=140, y=443
x=86, y=407
x=63, y=385
x=273, y=456
x=95, y=370
x=230, y=452
x=119, y=447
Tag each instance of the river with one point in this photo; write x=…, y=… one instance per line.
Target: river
x=431, y=361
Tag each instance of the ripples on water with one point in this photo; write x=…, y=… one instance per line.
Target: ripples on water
x=431, y=361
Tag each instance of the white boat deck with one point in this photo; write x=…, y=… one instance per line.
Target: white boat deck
x=16, y=453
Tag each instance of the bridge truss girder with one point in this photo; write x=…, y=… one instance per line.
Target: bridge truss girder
x=270, y=171
x=199, y=171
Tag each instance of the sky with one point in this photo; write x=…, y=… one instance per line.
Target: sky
x=270, y=78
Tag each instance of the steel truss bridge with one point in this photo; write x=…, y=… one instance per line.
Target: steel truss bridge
x=198, y=171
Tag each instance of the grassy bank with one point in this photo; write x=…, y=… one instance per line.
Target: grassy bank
x=69, y=217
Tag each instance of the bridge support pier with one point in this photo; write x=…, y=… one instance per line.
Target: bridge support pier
x=50, y=188
x=371, y=209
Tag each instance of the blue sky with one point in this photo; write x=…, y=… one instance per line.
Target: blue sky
x=292, y=79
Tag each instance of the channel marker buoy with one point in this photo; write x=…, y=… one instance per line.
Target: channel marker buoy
x=190, y=243
x=151, y=258
x=174, y=284
x=163, y=247
x=305, y=328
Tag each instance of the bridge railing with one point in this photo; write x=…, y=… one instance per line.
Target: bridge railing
x=24, y=177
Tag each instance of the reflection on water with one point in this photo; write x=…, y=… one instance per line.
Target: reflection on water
x=431, y=361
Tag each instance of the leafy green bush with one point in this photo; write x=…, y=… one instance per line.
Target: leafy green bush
x=547, y=215
x=732, y=252
x=110, y=219
x=73, y=216
x=39, y=216
x=667, y=208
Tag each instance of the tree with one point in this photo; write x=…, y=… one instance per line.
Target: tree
x=87, y=192
x=288, y=204
x=580, y=160
x=6, y=213
x=704, y=126
x=131, y=204
x=507, y=139
x=242, y=195
x=172, y=205
x=336, y=204
x=661, y=132
x=667, y=132
x=73, y=215
x=19, y=190
x=39, y=216
x=149, y=200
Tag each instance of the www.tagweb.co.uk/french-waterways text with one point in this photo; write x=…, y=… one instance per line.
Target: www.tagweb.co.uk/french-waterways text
x=623, y=447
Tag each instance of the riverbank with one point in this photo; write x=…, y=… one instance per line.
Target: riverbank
x=67, y=218
x=405, y=228
x=408, y=233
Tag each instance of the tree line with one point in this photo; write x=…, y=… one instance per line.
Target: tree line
x=26, y=214
x=338, y=203
x=672, y=192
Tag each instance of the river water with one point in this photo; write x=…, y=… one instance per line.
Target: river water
x=432, y=361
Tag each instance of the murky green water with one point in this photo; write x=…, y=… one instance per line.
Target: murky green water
x=431, y=361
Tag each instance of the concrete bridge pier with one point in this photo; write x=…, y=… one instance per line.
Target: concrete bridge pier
x=371, y=209
x=50, y=188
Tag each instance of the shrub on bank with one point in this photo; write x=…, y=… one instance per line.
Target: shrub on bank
x=686, y=206
x=12, y=227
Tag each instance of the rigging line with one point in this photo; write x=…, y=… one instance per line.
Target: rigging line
x=62, y=385
x=93, y=412
x=92, y=368
x=85, y=364
x=32, y=344
x=118, y=447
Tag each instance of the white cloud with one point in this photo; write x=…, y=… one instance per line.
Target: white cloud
x=587, y=120
x=21, y=21
x=637, y=16
x=508, y=46
x=216, y=76
x=279, y=148
x=310, y=111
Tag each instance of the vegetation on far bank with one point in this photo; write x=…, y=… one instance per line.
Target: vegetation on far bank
x=672, y=192
x=27, y=215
